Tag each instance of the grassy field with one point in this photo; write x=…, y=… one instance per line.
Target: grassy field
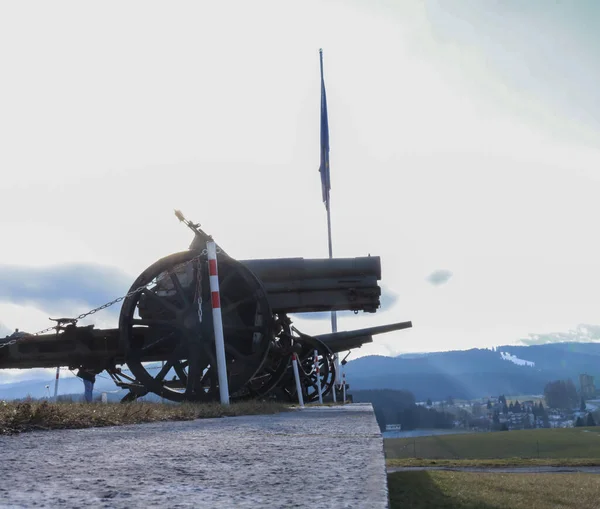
x=21, y=417
x=495, y=463
x=461, y=490
x=569, y=443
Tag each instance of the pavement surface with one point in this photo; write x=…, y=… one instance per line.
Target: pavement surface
x=504, y=470
x=328, y=457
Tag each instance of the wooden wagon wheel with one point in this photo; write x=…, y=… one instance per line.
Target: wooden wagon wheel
x=168, y=335
x=275, y=367
x=308, y=373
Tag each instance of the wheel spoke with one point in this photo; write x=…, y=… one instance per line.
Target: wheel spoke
x=207, y=375
x=177, y=353
x=179, y=369
x=237, y=355
x=164, y=370
x=209, y=353
x=194, y=371
x=159, y=341
x=179, y=289
x=237, y=304
x=226, y=280
x=212, y=371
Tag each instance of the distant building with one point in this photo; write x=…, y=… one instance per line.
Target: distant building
x=393, y=427
x=528, y=405
x=586, y=383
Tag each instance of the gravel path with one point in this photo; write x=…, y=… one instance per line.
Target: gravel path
x=505, y=470
x=316, y=457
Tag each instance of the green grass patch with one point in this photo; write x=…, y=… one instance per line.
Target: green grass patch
x=535, y=443
x=495, y=463
x=466, y=490
x=21, y=417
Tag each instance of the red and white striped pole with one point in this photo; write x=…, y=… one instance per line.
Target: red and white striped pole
x=56, y=384
x=318, y=373
x=297, y=377
x=213, y=274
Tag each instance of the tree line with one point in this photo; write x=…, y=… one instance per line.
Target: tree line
x=399, y=407
x=561, y=394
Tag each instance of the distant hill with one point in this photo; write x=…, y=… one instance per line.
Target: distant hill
x=462, y=374
x=468, y=374
x=66, y=385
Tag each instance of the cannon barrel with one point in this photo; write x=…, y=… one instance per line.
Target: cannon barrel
x=337, y=345
x=346, y=340
x=290, y=269
x=293, y=285
x=299, y=285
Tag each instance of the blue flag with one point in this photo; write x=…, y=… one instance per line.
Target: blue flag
x=324, y=167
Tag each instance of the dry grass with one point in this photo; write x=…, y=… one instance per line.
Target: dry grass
x=462, y=490
x=21, y=417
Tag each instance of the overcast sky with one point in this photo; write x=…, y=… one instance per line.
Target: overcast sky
x=463, y=137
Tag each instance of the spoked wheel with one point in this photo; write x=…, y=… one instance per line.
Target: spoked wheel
x=308, y=372
x=167, y=328
x=276, y=364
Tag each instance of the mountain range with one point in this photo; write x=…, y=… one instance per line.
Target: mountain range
x=36, y=388
x=460, y=374
x=476, y=373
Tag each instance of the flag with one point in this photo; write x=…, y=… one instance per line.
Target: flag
x=324, y=167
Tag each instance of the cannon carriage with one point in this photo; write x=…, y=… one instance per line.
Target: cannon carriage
x=165, y=334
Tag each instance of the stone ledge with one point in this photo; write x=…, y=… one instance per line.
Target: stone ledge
x=326, y=457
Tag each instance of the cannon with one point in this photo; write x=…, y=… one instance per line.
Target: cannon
x=325, y=346
x=164, y=342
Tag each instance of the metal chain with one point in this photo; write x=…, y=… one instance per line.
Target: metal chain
x=199, y=291
x=204, y=252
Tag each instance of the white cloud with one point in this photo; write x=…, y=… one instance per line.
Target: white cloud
x=115, y=114
x=439, y=277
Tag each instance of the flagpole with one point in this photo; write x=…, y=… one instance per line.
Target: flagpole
x=333, y=313
x=326, y=185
